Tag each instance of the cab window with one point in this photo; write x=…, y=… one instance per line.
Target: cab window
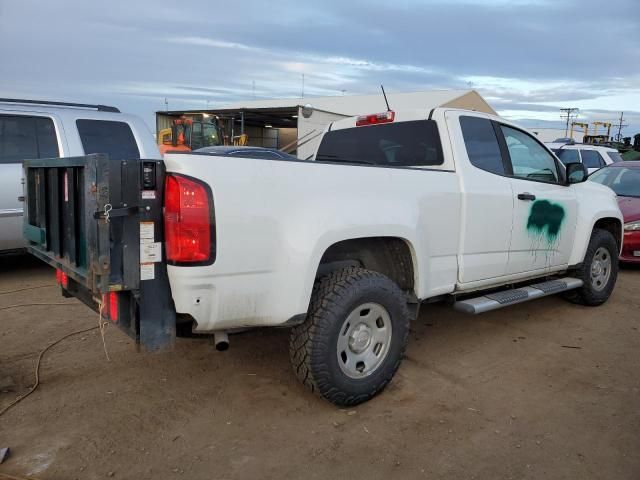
x=529, y=159
x=482, y=145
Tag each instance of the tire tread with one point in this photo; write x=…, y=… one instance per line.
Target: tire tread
x=309, y=341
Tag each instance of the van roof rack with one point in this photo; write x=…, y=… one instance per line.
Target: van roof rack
x=100, y=108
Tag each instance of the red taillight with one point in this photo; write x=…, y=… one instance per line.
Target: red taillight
x=62, y=278
x=110, y=306
x=113, y=306
x=375, y=118
x=187, y=221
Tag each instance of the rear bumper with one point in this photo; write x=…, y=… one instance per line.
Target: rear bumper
x=228, y=301
x=631, y=247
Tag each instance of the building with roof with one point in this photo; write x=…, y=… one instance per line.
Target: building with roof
x=295, y=125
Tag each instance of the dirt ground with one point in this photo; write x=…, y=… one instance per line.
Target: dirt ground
x=497, y=396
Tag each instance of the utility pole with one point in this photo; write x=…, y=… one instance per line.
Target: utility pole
x=620, y=126
x=166, y=104
x=568, y=113
x=302, y=95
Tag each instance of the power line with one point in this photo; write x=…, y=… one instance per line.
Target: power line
x=620, y=126
x=568, y=113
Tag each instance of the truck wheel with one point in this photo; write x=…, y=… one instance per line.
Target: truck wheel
x=598, y=271
x=354, y=337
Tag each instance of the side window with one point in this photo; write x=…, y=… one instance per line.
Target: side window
x=615, y=157
x=104, y=136
x=529, y=159
x=481, y=144
x=25, y=137
x=592, y=159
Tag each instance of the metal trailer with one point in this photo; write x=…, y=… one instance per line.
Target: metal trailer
x=99, y=223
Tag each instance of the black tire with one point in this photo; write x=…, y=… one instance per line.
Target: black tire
x=588, y=294
x=313, y=345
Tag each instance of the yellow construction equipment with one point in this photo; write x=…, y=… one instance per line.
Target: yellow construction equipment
x=187, y=134
x=594, y=137
x=241, y=140
x=583, y=125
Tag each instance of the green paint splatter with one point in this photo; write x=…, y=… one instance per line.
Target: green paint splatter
x=545, y=219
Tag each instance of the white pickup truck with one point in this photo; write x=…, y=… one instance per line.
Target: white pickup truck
x=396, y=209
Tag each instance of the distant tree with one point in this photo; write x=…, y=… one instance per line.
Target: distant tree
x=636, y=142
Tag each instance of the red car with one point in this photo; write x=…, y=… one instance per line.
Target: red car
x=624, y=179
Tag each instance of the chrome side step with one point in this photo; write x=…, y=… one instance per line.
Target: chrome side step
x=505, y=298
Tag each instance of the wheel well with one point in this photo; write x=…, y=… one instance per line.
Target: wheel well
x=390, y=256
x=613, y=226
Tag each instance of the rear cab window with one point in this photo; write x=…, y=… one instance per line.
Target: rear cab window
x=403, y=144
x=27, y=137
x=109, y=137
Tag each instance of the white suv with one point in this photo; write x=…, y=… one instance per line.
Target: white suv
x=39, y=129
x=594, y=157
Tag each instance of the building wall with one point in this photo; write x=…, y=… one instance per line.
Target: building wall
x=287, y=137
x=261, y=137
x=550, y=134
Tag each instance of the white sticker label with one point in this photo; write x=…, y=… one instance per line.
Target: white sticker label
x=146, y=232
x=148, y=194
x=147, y=271
x=636, y=253
x=150, y=252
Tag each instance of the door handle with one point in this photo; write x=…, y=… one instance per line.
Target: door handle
x=526, y=196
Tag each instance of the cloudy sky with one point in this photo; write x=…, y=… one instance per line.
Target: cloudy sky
x=527, y=57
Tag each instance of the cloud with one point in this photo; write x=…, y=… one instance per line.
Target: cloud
x=211, y=42
x=527, y=57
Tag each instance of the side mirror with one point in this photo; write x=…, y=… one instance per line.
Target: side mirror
x=576, y=172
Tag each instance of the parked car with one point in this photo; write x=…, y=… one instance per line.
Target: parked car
x=624, y=179
x=593, y=156
x=40, y=129
x=394, y=210
x=246, y=152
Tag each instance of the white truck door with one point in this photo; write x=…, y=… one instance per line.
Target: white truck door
x=487, y=198
x=545, y=209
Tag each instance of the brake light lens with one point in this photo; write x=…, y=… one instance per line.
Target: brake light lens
x=375, y=118
x=62, y=278
x=188, y=221
x=113, y=306
x=110, y=306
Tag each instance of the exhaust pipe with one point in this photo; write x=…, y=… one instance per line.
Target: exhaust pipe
x=221, y=340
